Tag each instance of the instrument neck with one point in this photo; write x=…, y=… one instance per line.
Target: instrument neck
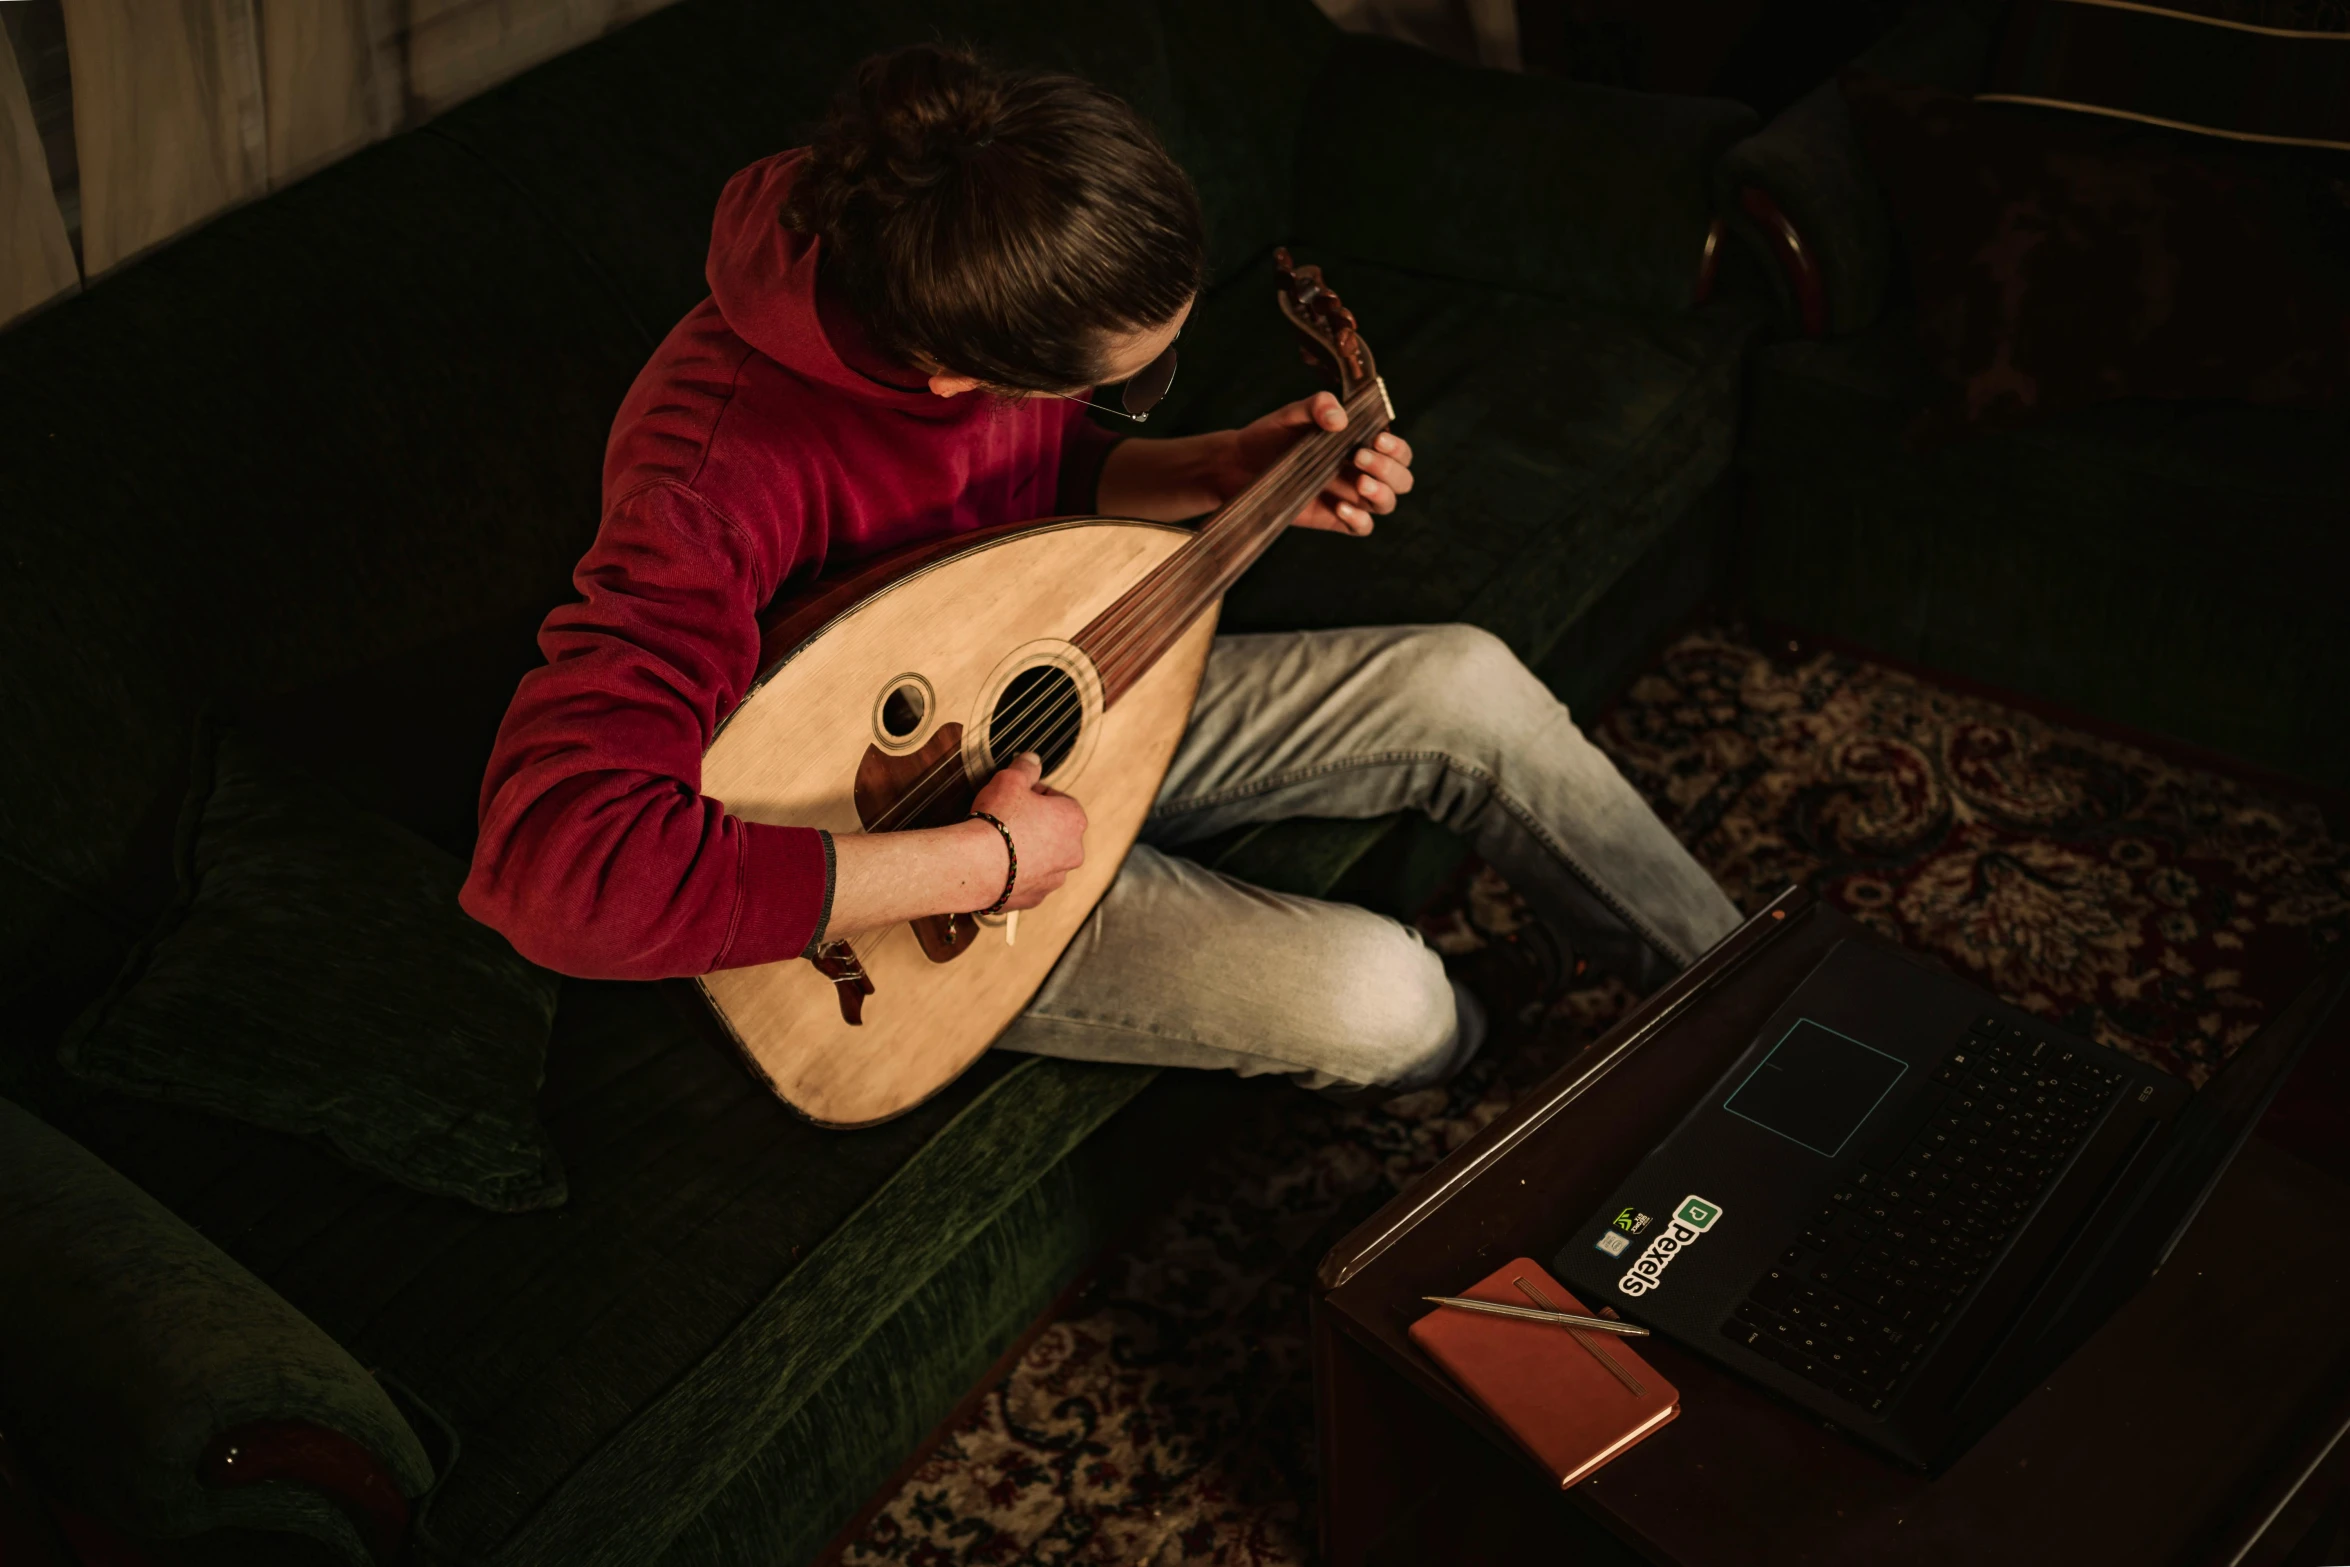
x=1126, y=639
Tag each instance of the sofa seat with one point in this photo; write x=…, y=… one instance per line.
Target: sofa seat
x=2174, y=566
x=731, y=1297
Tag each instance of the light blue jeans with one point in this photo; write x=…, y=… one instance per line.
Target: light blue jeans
x=1181, y=966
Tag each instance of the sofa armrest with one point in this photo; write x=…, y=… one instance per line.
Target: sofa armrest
x=1519, y=182
x=150, y=1381
x=1799, y=193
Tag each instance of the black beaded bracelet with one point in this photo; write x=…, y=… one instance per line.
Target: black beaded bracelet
x=1011, y=875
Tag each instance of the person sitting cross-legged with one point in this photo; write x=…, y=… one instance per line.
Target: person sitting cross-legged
x=904, y=324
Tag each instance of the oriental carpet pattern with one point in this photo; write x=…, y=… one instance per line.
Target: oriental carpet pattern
x=1166, y=1417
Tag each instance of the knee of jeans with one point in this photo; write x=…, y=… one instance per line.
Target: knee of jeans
x=1470, y=677
x=1391, y=1012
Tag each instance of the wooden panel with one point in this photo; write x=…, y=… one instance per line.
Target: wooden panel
x=790, y=755
x=457, y=48
x=168, y=120
x=36, y=260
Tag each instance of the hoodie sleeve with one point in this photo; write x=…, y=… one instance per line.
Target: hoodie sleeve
x=599, y=856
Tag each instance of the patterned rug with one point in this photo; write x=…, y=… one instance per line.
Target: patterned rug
x=1167, y=1416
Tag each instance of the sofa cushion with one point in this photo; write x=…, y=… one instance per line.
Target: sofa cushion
x=2176, y=566
x=317, y=976
x=1552, y=445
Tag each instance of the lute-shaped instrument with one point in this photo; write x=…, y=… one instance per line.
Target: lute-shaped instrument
x=890, y=693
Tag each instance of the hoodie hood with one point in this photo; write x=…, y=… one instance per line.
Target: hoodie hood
x=765, y=280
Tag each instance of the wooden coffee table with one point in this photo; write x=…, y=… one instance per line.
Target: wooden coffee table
x=2203, y=1424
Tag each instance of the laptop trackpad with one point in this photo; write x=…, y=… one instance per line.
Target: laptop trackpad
x=1816, y=1087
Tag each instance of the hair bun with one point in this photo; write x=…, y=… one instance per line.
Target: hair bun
x=924, y=111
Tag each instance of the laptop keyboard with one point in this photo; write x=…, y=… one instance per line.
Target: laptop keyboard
x=1854, y=1302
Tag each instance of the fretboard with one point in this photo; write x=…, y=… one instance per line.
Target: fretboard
x=1126, y=639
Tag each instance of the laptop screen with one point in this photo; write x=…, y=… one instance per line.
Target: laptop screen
x=1815, y=1087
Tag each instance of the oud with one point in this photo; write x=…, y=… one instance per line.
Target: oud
x=889, y=694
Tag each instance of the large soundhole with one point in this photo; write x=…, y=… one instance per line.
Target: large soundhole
x=1039, y=711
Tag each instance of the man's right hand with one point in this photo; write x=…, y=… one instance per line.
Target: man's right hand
x=1047, y=827
x=886, y=878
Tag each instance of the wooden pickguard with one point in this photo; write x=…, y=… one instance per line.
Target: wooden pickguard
x=934, y=773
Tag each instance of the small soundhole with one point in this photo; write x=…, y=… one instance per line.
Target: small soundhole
x=1039, y=711
x=902, y=711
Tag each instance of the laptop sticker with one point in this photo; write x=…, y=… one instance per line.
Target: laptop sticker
x=1691, y=1219
x=1633, y=1222
x=1613, y=1244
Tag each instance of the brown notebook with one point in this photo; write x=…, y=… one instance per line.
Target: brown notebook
x=1573, y=1398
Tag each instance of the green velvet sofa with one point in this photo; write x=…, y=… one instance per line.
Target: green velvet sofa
x=322, y=465
x=2178, y=567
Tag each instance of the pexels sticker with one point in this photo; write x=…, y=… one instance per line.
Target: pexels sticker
x=1691, y=1219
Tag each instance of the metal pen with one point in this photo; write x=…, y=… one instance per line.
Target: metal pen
x=1565, y=1319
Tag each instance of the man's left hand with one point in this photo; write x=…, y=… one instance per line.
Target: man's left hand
x=1190, y=475
x=1377, y=474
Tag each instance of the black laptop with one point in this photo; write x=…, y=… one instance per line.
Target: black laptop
x=1906, y=1202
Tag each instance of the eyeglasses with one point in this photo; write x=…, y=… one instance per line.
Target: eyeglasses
x=1144, y=389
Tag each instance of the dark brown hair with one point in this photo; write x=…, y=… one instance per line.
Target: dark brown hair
x=1000, y=223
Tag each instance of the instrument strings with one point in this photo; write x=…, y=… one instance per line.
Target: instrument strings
x=1222, y=552
x=1192, y=580
x=1225, y=546
x=1136, y=630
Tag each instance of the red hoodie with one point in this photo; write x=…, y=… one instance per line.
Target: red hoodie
x=765, y=440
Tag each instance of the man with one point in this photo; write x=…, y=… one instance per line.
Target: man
x=902, y=323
